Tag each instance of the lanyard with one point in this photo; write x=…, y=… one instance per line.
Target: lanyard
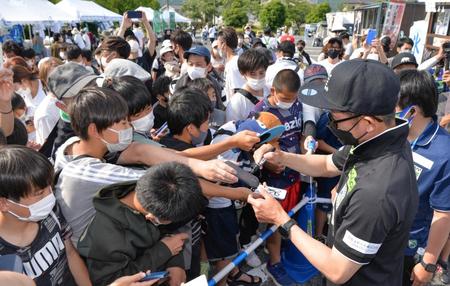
x=413, y=144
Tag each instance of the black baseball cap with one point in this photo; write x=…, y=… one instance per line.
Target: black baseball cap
x=404, y=59
x=365, y=87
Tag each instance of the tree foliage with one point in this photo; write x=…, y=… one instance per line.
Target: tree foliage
x=120, y=6
x=201, y=10
x=273, y=14
x=236, y=14
x=318, y=13
x=297, y=10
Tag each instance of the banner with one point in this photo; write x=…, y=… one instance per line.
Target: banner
x=418, y=33
x=157, y=22
x=172, y=21
x=393, y=21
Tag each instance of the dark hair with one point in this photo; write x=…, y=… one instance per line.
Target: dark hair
x=101, y=106
x=286, y=79
x=22, y=170
x=161, y=85
x=287, y=48
x=187, y=106
x=129, y=35
x=265, y=52
x=15, y=61
x=87, y=54
x=2, y=138
x=330, y=44
x=252, y=60
x=19, y=136
x=73, y=52
x=344, y=35
x=28, y=53
x=12, y=47
x=21, y=73
x=171, y=192
x=17, y=101
x=200, y=83
x=56, y=37
x=230, y=37
x=418, y=88
x=182, y=38
x=118, y=45
x=301, y=42
x=132, y=90
x=404, y=40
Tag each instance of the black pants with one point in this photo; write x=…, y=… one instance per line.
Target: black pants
x=408, y=264
x=248, y=224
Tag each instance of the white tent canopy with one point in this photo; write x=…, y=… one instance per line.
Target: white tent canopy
x=32, y=12
x=149, y=12
x=87, y=11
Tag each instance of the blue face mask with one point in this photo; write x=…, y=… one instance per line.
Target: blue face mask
x=200, y=139
x=402, y=114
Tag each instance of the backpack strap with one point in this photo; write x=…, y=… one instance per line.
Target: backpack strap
x=223, y=132
x=248, y=95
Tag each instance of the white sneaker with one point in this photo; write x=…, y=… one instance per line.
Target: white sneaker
x=253, y=260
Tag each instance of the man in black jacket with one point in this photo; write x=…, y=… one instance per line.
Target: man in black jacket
x=124, y=237
x=377, y=194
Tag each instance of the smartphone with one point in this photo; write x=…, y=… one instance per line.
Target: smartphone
x=134, y=14
x=371, y=35
x=155, y=275
x=161, y=129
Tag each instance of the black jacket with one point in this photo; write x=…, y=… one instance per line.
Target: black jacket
x=120, y=241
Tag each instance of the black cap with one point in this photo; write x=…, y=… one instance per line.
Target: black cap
x=403, y=59
x=365, y=87
x=66, y=80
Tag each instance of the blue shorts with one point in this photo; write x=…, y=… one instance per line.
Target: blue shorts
x=221, y=239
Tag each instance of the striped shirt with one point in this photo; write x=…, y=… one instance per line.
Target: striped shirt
x=79, y=182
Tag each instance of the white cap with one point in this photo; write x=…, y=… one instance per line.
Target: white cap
x=166, y=43
x=165, y=50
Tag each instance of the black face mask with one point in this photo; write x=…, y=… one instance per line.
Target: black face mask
x=300, y=49
x=345, y=137
x=332, y=53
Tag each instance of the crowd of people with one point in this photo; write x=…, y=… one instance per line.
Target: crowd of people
x=115, y=157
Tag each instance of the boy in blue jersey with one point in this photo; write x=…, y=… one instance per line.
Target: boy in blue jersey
x=284, y=104
x=429, y=144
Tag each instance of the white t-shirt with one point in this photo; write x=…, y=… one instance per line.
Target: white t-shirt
x=349, y=49
x=78, y=40
x=212, y=33
x=239, y=107
x=45, y=118
x=32, y=103
x=356, y=53
x=233, y=78
x=281, y=64
x=328, y=66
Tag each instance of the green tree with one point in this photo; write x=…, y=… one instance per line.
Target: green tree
x=273, y=14
x=297, y=11
x=201, y=10
x=236, y=14
x=318, y=13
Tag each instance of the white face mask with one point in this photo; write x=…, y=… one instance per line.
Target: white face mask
x=125, y=139
x=62, y=55
x=196, y=72
x=103, y=62
x=144, y=124
x=256, y=84
x=220, y=52
x=284, y=105
x=24, y=92
x=39, y=210
x=373, y=57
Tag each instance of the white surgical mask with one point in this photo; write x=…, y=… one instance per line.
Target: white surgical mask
x=125, y=139
x=256, y=84
x=220, y=52
x=373, y=57
x=144, y=124
x=284, y=105
x=103, y=62
x=39, y=210
x=196, y=72
x=24, y=92
x=62, y=55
